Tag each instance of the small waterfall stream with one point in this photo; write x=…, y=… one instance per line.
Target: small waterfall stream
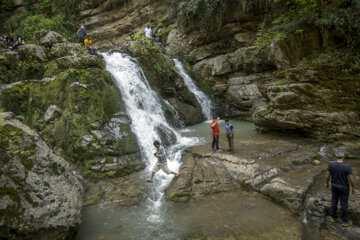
x=203, y=100
x=149, y=124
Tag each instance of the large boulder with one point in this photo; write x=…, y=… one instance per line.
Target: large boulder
x=48, y=38
x=40, y=194
x=31, y=52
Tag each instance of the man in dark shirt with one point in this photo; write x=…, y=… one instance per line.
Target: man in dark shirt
x=341, y=174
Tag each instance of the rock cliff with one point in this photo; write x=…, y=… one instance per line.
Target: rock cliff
x=268, y=86
x=40, y=194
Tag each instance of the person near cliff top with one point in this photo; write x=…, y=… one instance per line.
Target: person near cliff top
x=148, y=31
x=81, y=34
x=132, y=34
x=215, y=133
x=340, y=174
x=229, y=131
x=89, y=45
x=161, y=163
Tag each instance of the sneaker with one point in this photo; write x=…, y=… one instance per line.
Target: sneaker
x=346, y=224
x=332, y=220
x=219, y=150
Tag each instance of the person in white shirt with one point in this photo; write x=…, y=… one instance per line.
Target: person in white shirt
x=148, y=31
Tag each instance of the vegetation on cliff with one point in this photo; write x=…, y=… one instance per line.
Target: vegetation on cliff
x=30, y=18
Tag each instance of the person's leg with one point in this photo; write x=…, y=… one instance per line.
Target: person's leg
x=213, y=142
x=217, y=142
x=166, y=170
x=344, y=197
x=229, y=141
x=153, y=171
x=232, y=142
x=334, y=201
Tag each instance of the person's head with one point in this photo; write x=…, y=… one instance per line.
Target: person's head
x=156, y=143
x=227, y=121
x=148, y=25
x=82, y=26
x=339, y=153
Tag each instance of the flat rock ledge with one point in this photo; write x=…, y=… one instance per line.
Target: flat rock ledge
x=288, y=171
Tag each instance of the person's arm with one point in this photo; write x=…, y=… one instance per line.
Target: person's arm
x=161, y=153
x=327, y=179
x=232, y=130
x=213, y=124
x=352, y=183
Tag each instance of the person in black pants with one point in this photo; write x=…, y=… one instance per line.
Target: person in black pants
x=215, y=133
x=340, y=174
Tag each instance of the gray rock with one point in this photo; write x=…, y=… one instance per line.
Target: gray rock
x=48, y=38
x=246, y=37
x=28, y=52
x=32, y=183
x=52, y=113
x=20, y=117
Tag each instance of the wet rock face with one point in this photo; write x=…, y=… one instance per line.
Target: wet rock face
x=164, y=78
x=33, y=184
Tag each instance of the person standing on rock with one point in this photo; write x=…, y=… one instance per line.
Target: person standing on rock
x=229, y=130
x=340, y=174
x=215, y=133
x=148, y=31
x=81, y=33
x=161, y=163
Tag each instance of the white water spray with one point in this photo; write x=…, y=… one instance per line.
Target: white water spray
x=148, y=123
x=203, y=100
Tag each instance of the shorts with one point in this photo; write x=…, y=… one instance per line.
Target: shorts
x=162, y=166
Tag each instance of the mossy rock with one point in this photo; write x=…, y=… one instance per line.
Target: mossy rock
x=181, y=197
x=165, y=79
x=85, y=96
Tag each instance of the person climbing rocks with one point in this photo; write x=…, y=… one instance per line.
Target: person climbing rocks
x=229, y=131
x=161, y=163
x=89, y=45
x=132, y=34
x=81, y=33
x=340, y=174
x=148, y=31
x=19, y=41
x=215, y=133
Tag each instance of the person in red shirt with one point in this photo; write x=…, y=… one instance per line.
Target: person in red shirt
x=215, y=132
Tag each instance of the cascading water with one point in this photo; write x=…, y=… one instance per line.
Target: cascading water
x=148, y=123
x=203, y=100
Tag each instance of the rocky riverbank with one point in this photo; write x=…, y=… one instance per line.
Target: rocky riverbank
x=289, y=171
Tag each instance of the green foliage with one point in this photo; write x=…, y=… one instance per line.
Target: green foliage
x=10, y=143
x=34, y=23
x=264, y=39
x=47, y=14
x=207, y=15
x=298, y=15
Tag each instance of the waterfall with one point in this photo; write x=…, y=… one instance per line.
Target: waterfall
x=202, y=99
x=148, y=124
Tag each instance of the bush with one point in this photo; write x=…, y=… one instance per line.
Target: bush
x=34, y=23
x=207, y=14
